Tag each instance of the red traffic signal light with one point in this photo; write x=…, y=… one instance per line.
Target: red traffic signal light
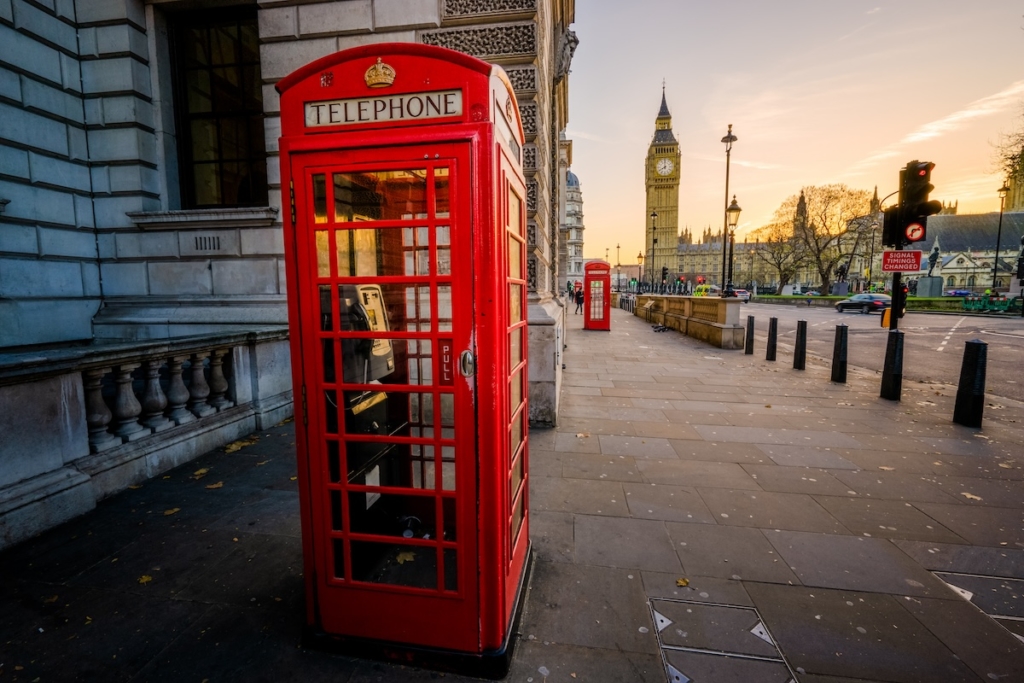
x=915, y=207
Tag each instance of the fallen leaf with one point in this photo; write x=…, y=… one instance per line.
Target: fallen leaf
x=887, y=469
x=582, y=435
x=239, y=445
x=218, y=485
x=50, y=600
x=167, y=476
x=292, y=478
x=200, y=473
x=970, y=496
x=260, y=464
x=135, y=487
x=284, y=421
x=168, y=513
x=407, y=556
x=767, y=405
x=145, y=578
x=1006, y=465
x=682, y=583
x=88, y=620
x=573, y=675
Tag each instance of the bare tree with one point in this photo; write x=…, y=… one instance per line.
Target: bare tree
x=821, y=219
x=1009, y=156
x=777, y=247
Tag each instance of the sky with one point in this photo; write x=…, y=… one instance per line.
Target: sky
x=818, y=92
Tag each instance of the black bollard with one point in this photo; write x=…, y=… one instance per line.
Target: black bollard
x=892, y=371
x=839, y=355
x=970, y=393
x=773, y=336
x=748, y=349
x=800, y=352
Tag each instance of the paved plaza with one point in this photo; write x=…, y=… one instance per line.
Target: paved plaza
x=698, y=515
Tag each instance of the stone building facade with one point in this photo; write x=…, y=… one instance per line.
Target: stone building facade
x=142, y=288
x=574, y=226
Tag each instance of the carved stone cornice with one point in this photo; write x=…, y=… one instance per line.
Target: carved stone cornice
x=488, y=42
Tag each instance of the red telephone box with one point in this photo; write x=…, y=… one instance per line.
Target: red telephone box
x=405, y=236
x=597, y=287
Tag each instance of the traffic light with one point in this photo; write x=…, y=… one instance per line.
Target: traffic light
x=915, y=206
x=700, y=279
x=904, y=291
x=664, y=273
x=891, y=227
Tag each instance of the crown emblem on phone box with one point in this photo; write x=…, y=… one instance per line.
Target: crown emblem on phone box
x=380, y=75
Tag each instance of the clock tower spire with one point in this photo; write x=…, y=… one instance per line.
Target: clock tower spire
x=662, y=183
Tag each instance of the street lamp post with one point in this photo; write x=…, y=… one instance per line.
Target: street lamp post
x=999, y=234
x=640, y=275
x=618, y=265
x=654, y=241
x=728, y=140
x=732, y=217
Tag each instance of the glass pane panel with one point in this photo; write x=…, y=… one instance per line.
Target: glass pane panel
x=441, y=203
x=391, y=514
x=326, y=316
x=517, y=519
x=200, y=100
x=386, y=463
x=450, y=531
x=331, y=411
x=323, y=254
x=515, y=392
x=516, y=434
x=448, y=412
x=515, y=256
x=516, y=477
x=515, y=304
x=338, y=546
x=444, y=308
x=515, y=345
x=515, y=213
x=380, y=195
x=336, y=511
x=319, y=198
x=333, y=462
x=327, y=346
x=196, y=50
x=383, y=251
x=394, y=564
x=207, y=184
x=451, y=570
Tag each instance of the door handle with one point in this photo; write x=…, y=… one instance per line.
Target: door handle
x=467, y=364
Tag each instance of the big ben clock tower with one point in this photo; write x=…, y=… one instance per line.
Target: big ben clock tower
x=662, y=182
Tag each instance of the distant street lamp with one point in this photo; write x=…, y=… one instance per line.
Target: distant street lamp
x=640, y=275
x=654, y=241
x=618, y=264
x=728, y=140
x=999, y=234
x=732, y=217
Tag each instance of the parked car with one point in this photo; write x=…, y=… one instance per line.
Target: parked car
x=742, y=294
x=958, y=292
x=812, y=293
x=865, y=303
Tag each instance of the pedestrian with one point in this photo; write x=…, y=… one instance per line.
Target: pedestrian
x=579, y=301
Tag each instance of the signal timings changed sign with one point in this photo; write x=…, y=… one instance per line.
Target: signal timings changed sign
x=901, y=261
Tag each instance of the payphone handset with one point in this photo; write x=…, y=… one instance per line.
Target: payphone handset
x=362, y=310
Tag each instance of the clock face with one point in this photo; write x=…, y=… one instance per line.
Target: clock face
x=665, y=166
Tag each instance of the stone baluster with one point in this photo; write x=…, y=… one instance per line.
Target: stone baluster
x=153, y=399
x=97, y=414
x=126, y=407
x=198, y=389
x=218, y=383
x=177, y=392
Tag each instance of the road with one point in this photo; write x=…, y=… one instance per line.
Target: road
x=933, y=343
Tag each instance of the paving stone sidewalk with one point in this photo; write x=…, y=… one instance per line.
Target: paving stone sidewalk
x=698, y=515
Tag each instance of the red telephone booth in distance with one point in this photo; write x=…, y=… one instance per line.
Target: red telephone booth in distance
x=405, y=239
x=597, y=285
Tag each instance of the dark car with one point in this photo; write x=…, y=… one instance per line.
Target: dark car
x=865, y=303
x=959, y=292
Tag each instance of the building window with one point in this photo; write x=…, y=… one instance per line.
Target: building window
x=219, y=104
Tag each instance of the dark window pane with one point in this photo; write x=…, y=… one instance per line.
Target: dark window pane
x=204, y=140
x=199, y=97
x=207, y=187
x=224, y=44
x=250, y=43
x=395, y=564
x=195, y=49
x=226, y=87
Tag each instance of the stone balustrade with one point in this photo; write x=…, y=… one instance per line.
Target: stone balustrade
x=711, y=319
x=81, y=423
